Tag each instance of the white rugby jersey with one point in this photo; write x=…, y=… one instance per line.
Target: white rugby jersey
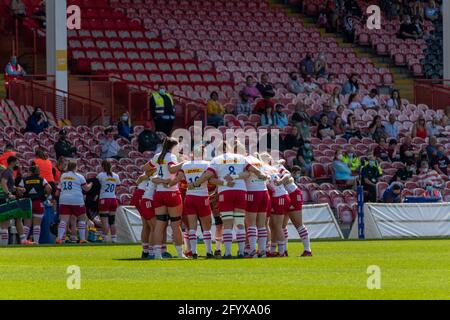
x=108, y=185
x=162, y=170
x=193, y=170
x=274, y=174
x=253, y=183
x=232, y=164
x=291, y=187
x=71, y=184
x=142, y=185
x=149, y=189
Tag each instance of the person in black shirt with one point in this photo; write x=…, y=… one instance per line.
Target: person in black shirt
x=64, y=148
x=393, y=194
x=265, y=88
x=408, y=30
x=405, y=173
x=324, y=130
x=370, y=175
x=148, y=140
x=440, y=162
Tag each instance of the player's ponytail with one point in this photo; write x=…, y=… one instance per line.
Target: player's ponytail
x=106, y=165
x=168, y=145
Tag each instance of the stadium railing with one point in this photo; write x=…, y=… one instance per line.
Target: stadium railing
x=433, y=92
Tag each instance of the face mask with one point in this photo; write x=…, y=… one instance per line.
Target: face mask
x=412, y=169
x=339, y=157
x=430, y=189
x=124, y=118
x=162, y=91
x=372, y=163
x=425, y=170
x=350, y=154
x=307, y=145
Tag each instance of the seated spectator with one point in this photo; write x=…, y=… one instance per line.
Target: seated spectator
x=336, y=98
x=307, y=66
x=419, y=129
x=292, y=141
x=340, y=112
x=326, y=110
x=431, y=11
x=18, y=8
x=303, y=125
x=370, y=173
x=244, y=106
x=265, y=88
x=431, y=191
x=393, y=193
x=342, y=173
x=405, y=173
x=424, y=167
x=350, y=158
x=394, y=150
x=148, y=140
x=370, y=101
x=440, y=162
x=446, y=118
x=418, y=23
x=124, y=127
x=320, y=66
x=434, y=128
x=215, y=110
x=407, y=152
x=37, y=122
x=262, y=105
x=305, y=158
x=431, y=148
x=408, y=30
x=324, y=130
x=7, y=152
x=250, y=89
x=381, y=152
x=351, y=129
x=338, y=127
x=391, y=127
x=110, y=147
x=294, y=85
x=310, y=86
x=351, y=86
x=296, y=172
x=331, y=84
x=376, y=128
x=63, y=148
x=281, y=117
x=268, y=118
x=13, y=71
x=353, y=102
x=395, y=102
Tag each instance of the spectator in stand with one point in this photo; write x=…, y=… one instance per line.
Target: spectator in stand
x=393, y=193
x=321, y=66
x=303, y=125
x=296, y=172
x=370, y=173
x=407, y=152
x=148, y=140
x=376, y=128
x=350, y=158
x=281, y=117
x=307, y=66
x=405, y=173
x=419, y=129
x=370, y=101
x=395, y=102
x=342, y=173
x=351, y=129
x=324, y=130
x=394, y=150
x=432, y=147
x=338, y=127
x=418, y=24
x=37, y=122
x=63, y=148
x=18, y=8
x=264, y=87
x=162, y=108
x=340, y=112
x=310, y=86
x=446, y=118
x=381, y=152
x=331, y=84
x=353, y=102
x=250, y=89
x=440, y=162
x=124, y=127
x=431, y=11
x=408, y=30
x=291, y=141
x=351, y=86
x=294, y=85
x=336, y=98
x=268, y=118
x=110, y=147
x=244, y=106
x=391, y=128
x=434, y=127
x=326, y=110
x=431, y=191
x=13, y=71
x=262, y=104
x=45, y=167
x=215, y=110
x=7, y=152
x=305, y=158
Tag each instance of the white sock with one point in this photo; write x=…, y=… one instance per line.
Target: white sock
x=286, y=236
x=273, y=247
x=151, y=250
x=218, y=243
x=114, y=238
x=252, y=235
x=179, y=251
x=4, y=237
x=228, y=240
x=26, y=232
x=36, y=234
x=82, y=230
x=304, y=235
x=145, y=247
x=207, y=240
x=240, y=235
x=187, y=242
x=61, y=230
x=281, y=247
x=262, y=240
x=193, y=240
x=157, y=251
x=105, y=237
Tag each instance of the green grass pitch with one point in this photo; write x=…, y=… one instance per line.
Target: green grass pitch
x=410, y=269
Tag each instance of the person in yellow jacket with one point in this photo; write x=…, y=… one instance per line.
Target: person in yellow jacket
x=162, y=109
x=351, y=160
x=215, y=110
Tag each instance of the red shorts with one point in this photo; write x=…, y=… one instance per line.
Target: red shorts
x=257, y=201
x=108, y=205
x=37, y=207
x=296, y=200
x=69, y=210
x=197, y=205
x=168, y=199
x=281, y=205
x=231, y=200
x=136, y=198
x=147, y=210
